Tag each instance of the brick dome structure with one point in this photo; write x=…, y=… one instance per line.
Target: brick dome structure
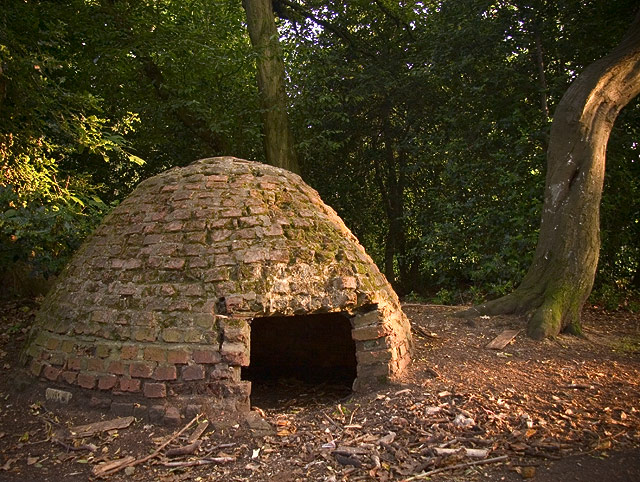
x=211, y=275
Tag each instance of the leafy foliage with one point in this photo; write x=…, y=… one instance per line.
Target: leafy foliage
x=423, y=123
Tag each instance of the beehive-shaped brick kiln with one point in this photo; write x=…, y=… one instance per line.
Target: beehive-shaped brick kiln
x=162, y=300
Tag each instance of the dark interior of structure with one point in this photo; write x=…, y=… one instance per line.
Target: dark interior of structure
x=297, y=356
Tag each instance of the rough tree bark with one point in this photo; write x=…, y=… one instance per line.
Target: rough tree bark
x=278, y=139
x=561, y=276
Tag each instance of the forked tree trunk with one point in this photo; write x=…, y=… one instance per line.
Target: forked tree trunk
x=278, y=139
x=561, y=276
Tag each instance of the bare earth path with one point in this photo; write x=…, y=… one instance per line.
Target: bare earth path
x=563, y=409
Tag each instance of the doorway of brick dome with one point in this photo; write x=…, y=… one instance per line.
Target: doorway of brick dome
x=301, y=360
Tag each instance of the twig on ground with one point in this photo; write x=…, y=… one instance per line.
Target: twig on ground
x=185, y=450
x=108, y=469
x=424, y=475
x=207, y=461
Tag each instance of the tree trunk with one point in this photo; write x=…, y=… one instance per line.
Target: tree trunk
x=278, y=140
x=564, y=266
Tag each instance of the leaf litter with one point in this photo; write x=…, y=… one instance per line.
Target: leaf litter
x=461, y=412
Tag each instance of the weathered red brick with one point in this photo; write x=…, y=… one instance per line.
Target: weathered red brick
x=129, y=384
x=144, y=334
x=107, y=382
x=155, y=353
x=368, y=332
x=172, y=416
x=129, y=352
x=175, y=263
x=69, y=377
x=235, y=353
x=74, y=363
x=155, y=390
x=206, y=356
x=370, y=357
x=141, y=369
x=51, y=373
x=116, y=367
x=193, y=372
x=178, y=356
x=86, y=380
x=95, y=365
x=165, y=372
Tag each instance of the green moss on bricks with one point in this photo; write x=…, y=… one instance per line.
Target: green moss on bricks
x=221, y=237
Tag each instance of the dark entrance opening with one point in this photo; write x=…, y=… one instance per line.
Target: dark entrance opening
x=298, y=357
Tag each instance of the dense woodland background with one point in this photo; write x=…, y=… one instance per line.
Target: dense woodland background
x=424, y=124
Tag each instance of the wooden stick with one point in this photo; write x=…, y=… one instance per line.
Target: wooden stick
x=425, y=475
x=102, y=470
x=463, y=451
x=112, y=467
x=197, y=433
x=191, y=463
x=185, y=450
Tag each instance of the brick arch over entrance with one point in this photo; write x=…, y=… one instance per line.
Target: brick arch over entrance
x=159, y=301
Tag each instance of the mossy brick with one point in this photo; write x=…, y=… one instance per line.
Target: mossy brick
x=178, y=356
x=67, y=346
x=35, y=367
x=217, y=274
x=33, y=351
x=172, y=335
x=103, y=351
x=129, y=352
x=57, y=358
x=52, y=343
x=325, y=268
x=154, y=390
x=155, y=353
x=144, y=334
x=141, y=369
x=86, y=380
x=193, y=336
x=206, y=321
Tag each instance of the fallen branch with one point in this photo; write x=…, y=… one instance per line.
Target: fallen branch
x=185, y=450
x=101, y=470
x=197, y=433
x=207, y=461
x=112, y=467
x=425, y=475
x=463, y=451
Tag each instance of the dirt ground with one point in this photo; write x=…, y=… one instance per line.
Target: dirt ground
x=563, y=409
